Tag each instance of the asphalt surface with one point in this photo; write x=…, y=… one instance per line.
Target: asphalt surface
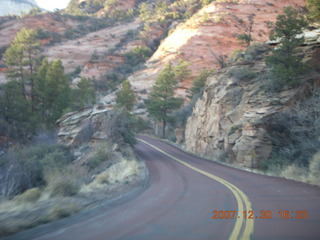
x=180, y=199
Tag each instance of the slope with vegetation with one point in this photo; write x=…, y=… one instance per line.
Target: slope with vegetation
x=261, y=111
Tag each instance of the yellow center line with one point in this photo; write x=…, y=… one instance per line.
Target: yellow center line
x=243, y=228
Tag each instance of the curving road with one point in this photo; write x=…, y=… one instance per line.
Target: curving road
x=182, y=193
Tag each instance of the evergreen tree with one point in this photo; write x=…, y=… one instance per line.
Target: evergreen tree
x=125, y=97
x=181, y=71
x=73, y=8
x=40, y=88
x=57, y=91
x=284, y=63
x=84, y=95
x=162, y=100
x=198, y=84
x=16, y=112
x=21, y=56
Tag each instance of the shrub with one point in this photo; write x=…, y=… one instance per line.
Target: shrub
x=31, y=195
x=314, y=166
x=244, y=73
x=138, y=55
x=24, y=168
x=63, y=182
x=294, y=172
x=62, y=210
x=100, y=155
x=313, y=7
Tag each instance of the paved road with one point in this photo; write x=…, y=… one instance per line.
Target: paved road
x=184, y=191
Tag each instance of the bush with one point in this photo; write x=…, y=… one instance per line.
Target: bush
x=62, y=210
x=295, y=134
x=138, y=55
x=100, y=155
x=314, y=166
x=294, y=172
x=24, y=168
x=31, y=195
x=63, y=182
x=244, y=73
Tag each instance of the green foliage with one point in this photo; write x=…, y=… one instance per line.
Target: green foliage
x=138, y=55
x=100, y=155
x=121, y=127
x=125, y=97
x=247, y=26
x=15, y=112
x=313, y=7
x=52, y=89
x=84, y=95
x=181, y=71
x=162, y=101
x=62, y=182
x=285, y=65
x=73, y=8
x=21, y=57
x=34, y=11
x=198, y=84
x=26, y=167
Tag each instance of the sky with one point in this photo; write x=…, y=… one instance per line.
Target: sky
x=52, y=4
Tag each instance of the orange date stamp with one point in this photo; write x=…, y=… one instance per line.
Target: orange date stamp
x=263, y=214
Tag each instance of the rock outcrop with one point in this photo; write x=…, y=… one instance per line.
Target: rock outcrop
x=16, y=7
x=85, y=125
x=230, y=122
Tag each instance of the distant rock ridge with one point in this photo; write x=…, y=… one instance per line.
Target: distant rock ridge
x=16, y=7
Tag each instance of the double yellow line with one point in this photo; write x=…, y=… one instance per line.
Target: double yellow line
x=243, y=228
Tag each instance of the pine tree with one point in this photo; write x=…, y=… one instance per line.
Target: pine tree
x=57, y=91
x=84, y=95
x=21, y=57
x=125, y=97
x=181, y=71
x=284, y=63
x=16, y=112
x=162, y=100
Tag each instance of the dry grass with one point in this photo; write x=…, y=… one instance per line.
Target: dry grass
x=62, y=210
x=117, y=173
x=314, y=169
x=295, y=172
x=31, y=195
x=63, y=182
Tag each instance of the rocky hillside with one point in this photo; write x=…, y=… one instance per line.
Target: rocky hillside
x=16, y=7
x=209, y=32
x=240, y=121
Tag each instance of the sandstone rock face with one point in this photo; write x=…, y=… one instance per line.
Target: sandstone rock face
x=230, y=121
x=15, y=7
x=85, y=125
x=212, y=30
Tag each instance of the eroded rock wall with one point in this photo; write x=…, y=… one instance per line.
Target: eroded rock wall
x=230, y=122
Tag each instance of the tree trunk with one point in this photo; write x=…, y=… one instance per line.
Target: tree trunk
x=164, y=122
x=32, y=83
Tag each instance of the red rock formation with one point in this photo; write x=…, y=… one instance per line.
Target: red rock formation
x=211, y=30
